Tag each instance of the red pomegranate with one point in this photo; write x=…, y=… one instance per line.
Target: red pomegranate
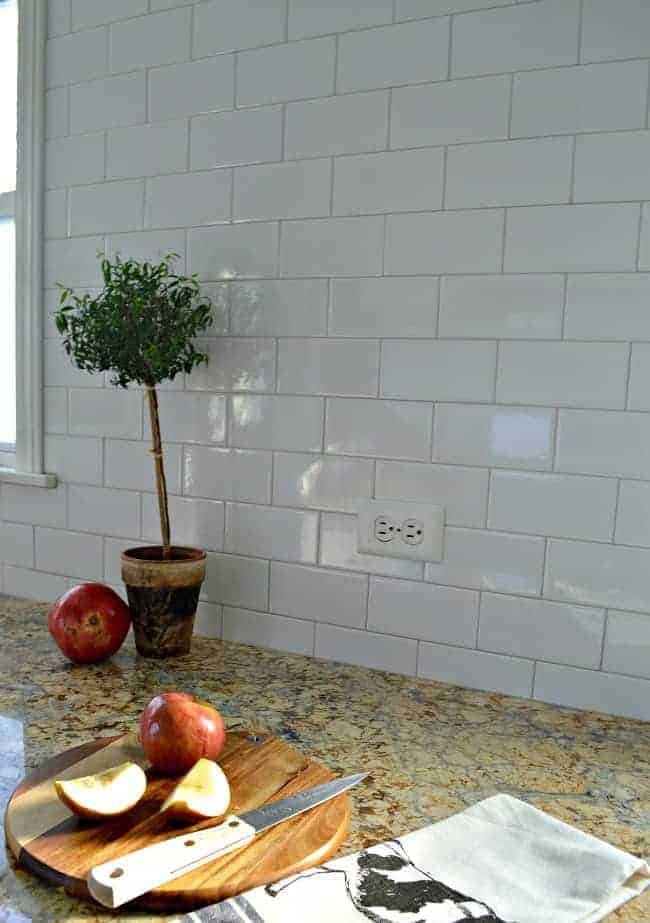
x=89, y=622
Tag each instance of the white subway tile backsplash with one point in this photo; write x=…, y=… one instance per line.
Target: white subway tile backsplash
x=189, y=417
x=595, y=574
x=420, y=9
x=227, y=474
x=55, y=213
x=595, y=181
x=595, y=97
x=187, y=199
x=131, y=465
x=384, y=307
x=100, y=412
x=148, y=245
x=366, y=649
x=108, y=103
x=280, y=422
x=147, y=150
x=291, y=307
x=72, y=554
x=633, y=514
x=592, y=690
x=55, y=410
x=88, y=13
x=72, y=262
x=73, y=161
x=105, y=207
x=396, y=181
x=338, y=548
x=237, y=581
x=192, y=87
x=77, y=459
x=476, y=669
x=436, y=370
x=270, y=532
x=312, y=17
x=601, y=442
x=321, y=366
x=602, y=306
x=227, y=25
x=318, y=595
x=638, y=394
x=296, y=189
x=245, y=364
x=348, y=124
x=393, y=429
x=19, y=581
x=58, y=17
x=627, y=643
x=265, y=630
x=444, y=242
x=147, y=41
x=40, y=508
x=208, y=622
x=76, y=57
x=242, y=136
x=423, y=611
x=197, y=523
x=101, y=509
x=332, y=247
x=624, y=35
x=268, y=75
x=17, y=544
x=57, y=107
x=644, y=245
x=233, y=251
x=392, y=55
x=461, y=491
x=321, y=482
x=60, y=371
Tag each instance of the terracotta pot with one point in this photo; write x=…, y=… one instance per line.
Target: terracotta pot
x=163, y=596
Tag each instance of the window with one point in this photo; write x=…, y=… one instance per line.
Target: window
x=8, y=129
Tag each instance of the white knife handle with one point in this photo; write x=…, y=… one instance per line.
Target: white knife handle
x=120, y=880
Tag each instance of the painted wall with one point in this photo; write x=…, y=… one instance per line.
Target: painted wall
x=432, y=221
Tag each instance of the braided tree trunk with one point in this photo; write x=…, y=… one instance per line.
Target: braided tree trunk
x=161, y=483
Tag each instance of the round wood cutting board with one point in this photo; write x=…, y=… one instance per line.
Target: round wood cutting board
x=49, y=840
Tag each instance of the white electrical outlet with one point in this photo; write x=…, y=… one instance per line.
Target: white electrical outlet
x=397, y=529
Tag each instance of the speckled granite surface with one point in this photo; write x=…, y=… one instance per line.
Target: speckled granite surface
x=431, y=749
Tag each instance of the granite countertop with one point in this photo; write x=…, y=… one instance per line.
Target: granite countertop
x=431, y=749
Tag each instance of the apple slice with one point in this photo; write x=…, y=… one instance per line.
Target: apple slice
x=203, y=793
x=106, y=794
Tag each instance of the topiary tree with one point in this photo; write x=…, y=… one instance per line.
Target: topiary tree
x=140, y=328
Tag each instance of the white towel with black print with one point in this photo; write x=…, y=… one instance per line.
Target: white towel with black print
x=500, y=861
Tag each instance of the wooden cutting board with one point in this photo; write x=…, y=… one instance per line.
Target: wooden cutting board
x=60, y=847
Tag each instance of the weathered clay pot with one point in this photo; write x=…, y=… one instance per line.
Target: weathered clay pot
x=163, y=596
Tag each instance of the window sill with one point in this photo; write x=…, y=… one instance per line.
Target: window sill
x=27, y=478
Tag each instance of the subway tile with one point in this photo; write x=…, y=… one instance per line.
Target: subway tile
x=280, y=422
x=226, y=25
x=108, y=103
x=595, y=181
x=566, y=506
x=503, y=307
x=516, y=38
x=332, y=247
x=321, y=482
x=572, y=238
x=509, y=173
x=60, y=370
x=369, y=307
x=106, y=207
x=627, y=642
x=270, y=532
x=494, y=561
x=237, y=581
x=463, y=492
x=246, y=364
x=291, y=307
x=506, y=437
x=187, y=199
x=222, y=139
x=208, y=622
x=337, y=125
x=592, y=690
x=444, y=242
x=419, y=9
x=55, y=213
x=633, y=514
x=88, y=13
x=58, y=17
x=394, y=181
x=17, y=544
x=392, y=55
x=148, y=245
x=197, y=523
x=393, y=429
x=74, y=261
x=622, y=36
x=232, y=251
x=476, y=669
x=100, y=412
x=312, y=17
x=318, y=595
x=151, y=40
x=76, y=57
x=19, y=581
x=113, y=548
x=227, y=474
x=268, y=75
x=73, y=161
x=35, y=507
x=100, y=509
x=73, y=554
x=147, y=150
x=365, y=649
x=423, y=611
x=338, y=548
x=296, y=189
x=320, y=366
x=74, y=458
x=189, y=417
x=601, y=442
x=602, y=306
x=131, y=465
x=219, y=295
x=595, y=574
x=450, y=112
x=195, y=86
x=639, y=394
x=265, y=630
x=644, y=245
x=436, y=370
x=595, y=97
x=565, y=374
x=55, y=410
x=57, y=109
x=541, y=630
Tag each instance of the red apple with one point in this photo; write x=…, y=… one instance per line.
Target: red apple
x=177, y=730
x=89, y=622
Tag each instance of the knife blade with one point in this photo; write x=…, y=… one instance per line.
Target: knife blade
x=120, y=880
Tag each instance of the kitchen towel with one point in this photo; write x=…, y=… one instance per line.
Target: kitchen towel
x=500, y=861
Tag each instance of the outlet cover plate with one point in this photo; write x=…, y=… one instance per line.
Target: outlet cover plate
x=378, y=518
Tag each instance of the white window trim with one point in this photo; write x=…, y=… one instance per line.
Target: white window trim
x=28, y=210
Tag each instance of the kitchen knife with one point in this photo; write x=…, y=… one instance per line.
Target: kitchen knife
x=120, y=880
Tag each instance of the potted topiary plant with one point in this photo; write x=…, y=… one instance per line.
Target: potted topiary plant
x=141, y=328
